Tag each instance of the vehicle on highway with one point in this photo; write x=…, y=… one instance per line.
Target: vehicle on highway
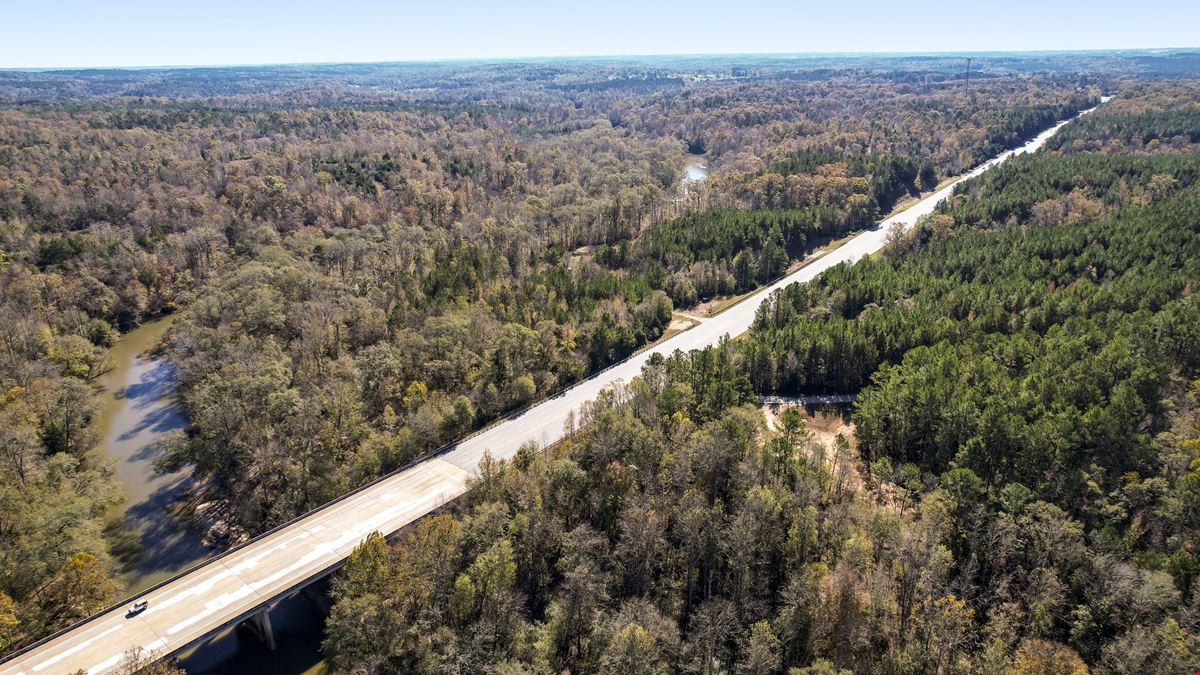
x=137, y=608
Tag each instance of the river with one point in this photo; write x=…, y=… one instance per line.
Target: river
x=139, y=409
x=150, y=543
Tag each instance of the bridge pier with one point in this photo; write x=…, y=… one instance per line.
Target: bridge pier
x=261, y=625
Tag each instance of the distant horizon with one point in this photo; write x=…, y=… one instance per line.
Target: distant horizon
x=613, y=56
x=129, y=34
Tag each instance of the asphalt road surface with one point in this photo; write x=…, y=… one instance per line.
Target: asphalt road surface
x=233, y=587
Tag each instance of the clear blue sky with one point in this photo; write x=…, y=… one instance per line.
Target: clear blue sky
x=57, y=33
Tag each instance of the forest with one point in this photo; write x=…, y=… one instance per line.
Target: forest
x=367, y=262
x=1018, y=494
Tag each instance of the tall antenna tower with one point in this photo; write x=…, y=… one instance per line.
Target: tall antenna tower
x=968, y=83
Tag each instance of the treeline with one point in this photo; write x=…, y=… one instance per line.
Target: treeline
x=836, y=178
x=1020, y=123
x=807, y=200
x=1021, y=250
x=855, y=189
x=1024, y=352
x=1158, y=117
x=659, y=539
x=302, y=386
x=676, y=532
x=714, y=252
x=891, y=178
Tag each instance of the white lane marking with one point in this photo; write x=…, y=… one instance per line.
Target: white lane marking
x=203, y=587
x=117, y=658
x=106, y=664
x=211, y=607
x=196, y=588
x=352, y=535
x=256, y=559
x=71, y=650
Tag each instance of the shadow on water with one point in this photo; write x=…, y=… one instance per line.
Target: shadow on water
x=158, y=423
x=165, y=546
x=154, y=382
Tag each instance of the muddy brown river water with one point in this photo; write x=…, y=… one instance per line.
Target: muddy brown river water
x=139, y=410
x=150, y=543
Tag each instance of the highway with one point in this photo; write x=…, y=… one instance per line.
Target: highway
x=235, y=586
